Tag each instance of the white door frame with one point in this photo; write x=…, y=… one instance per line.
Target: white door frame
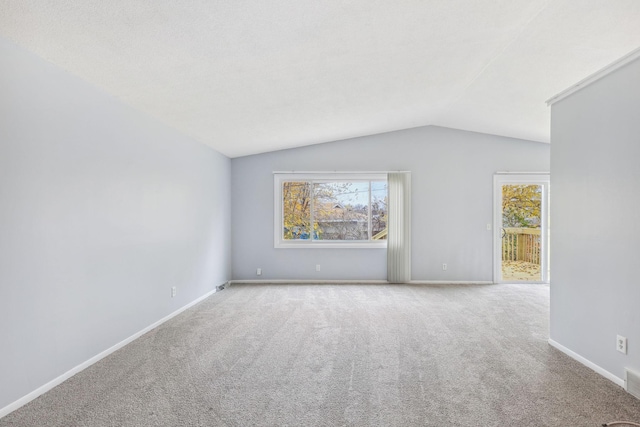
x=500, y=178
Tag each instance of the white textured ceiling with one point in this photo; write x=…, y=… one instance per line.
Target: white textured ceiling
x=249, y=76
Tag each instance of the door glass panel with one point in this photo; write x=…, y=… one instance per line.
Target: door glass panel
x=521, y=225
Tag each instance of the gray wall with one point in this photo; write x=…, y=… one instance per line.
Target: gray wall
x=595, y=205
x=102, y=211
x=452, y=183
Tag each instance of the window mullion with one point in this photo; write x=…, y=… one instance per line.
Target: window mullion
x=311, y=209
x=369, y=231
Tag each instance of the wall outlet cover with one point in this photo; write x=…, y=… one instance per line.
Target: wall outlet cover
x=621, y=344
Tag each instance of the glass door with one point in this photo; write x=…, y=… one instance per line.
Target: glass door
x=521, y=240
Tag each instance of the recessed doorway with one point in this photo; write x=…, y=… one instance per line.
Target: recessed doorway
x=521, y=239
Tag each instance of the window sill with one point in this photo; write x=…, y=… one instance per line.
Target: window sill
x=330, y=245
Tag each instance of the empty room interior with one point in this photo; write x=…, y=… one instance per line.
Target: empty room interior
x=334, y=213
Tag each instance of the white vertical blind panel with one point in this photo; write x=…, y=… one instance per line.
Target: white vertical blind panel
x=399, y=224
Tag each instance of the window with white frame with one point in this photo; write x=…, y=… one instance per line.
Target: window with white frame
x=330, y=210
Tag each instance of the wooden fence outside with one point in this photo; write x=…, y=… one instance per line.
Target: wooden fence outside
x=521, y=244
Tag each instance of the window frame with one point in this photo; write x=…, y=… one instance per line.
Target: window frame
x=282, y=177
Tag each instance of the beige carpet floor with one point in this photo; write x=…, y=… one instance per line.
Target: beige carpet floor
x=334, y=355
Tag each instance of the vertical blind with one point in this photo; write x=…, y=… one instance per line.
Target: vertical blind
x=399, y=226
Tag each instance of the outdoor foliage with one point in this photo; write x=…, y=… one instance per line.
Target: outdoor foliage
x=521, y=206
x=340, y=210
x=296, y=198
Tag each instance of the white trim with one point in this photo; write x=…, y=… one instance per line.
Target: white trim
x=521, y=173
x=363, y=282
x=308, y=282
x=334, y=176
x=337, y=172
x=500, y=178
x=628, y=58
x=327, y=244
x=586, y=362
x=280, y=177
x=84, y=365
x=450, y=282
x=522, y=177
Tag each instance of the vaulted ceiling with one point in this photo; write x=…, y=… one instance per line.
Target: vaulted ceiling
x=249, y=76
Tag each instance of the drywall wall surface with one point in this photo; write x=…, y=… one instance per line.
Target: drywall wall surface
x=102, y=211
x=595, y=289
x=452, y=203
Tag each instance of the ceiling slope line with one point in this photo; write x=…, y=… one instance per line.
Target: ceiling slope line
x=628, y=58
x=498, y=54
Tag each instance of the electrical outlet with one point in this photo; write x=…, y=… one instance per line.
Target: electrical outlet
x=621, y=344
x=174, y=290
x=444, y=266
x=259, y=272
x=317, y=267
x=488, y=226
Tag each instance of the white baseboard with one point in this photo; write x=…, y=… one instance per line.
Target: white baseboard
x=309, y=281
x=586, y=362
x=364, y=282
x=450, y=282
x=59, y=380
